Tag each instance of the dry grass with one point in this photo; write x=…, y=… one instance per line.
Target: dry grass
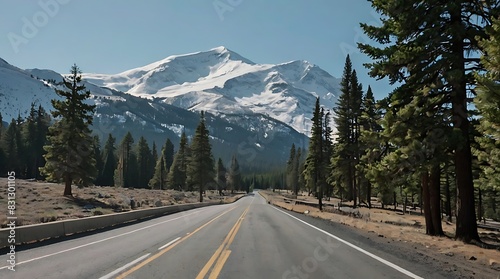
x=40, y=202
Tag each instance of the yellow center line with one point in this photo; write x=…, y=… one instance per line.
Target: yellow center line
x=155, y=256
x=222, y=250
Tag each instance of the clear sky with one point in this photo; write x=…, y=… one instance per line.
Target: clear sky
x=111, y=36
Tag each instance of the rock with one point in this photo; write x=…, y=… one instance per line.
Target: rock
x=494, y=265
x=132, y=204
x=306, y=212
x=450, y=254
x=472, y=258
x=380, y=235
x=158, y=203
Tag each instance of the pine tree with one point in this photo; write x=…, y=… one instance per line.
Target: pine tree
x=433, y=56
x=99, y=162
x=327, y=152
x=43, y=121
x=10, y=147
x=29, y=134
x=177, y=174
x=315, y=168
x=200, y=169
x=20, y=146
x=292, y=176
x=299, y=168
x=109, y=158
x=488, y=104
x=144, y=163
x=69, y=155
x=124, y=170
x=168, y=154
x=159, y=179
x=347, y=120
x=234, y=179
x=221, y=177
x=369, y=126
x=154, y=154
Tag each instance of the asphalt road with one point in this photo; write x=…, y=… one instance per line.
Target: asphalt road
x=247, y=239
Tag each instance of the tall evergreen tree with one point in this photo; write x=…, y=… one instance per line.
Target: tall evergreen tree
x=200, y=169
x=327, y=152
x=159, y=179
x=144, y=163
x=154, y=153
x=488, y=104
x=368, y=125
x=124, y=172
x=109, y=158
x=176, y=178
x=436, y=52
x=221, y=177
x=291, y=175
x=10, y=147
x=69, y=156
x=99, y=162
x=315, y=168
x=347, y=120
x=21, y=148
x=42, y=124
x=168, y=154
x=29, y=134
x=234, y=178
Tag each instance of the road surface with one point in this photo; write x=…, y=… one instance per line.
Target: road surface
x=247, y=239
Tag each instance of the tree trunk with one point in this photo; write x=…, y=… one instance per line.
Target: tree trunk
x=404, y=204
x=349, y=183
x=480, y=206
x=466, y=226
x=394, y=200
x=429, y=227
x=448, y=198
x=435, y=200
x=67, y=185
x=369, y=194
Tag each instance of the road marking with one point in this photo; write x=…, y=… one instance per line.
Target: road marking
x=109, y=275
x=102, y=240
x=386, y=262
x=157, y=255
x=220, y=263
x=222, y=250
x=168, y=244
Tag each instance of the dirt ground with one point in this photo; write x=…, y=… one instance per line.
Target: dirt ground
x=470, y=261
x=40, y=202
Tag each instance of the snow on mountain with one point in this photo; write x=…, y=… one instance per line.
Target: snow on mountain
x=221, y=82
x=257, y=138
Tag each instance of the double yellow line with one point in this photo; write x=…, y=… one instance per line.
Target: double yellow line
x=222, y=253
x=157, y=255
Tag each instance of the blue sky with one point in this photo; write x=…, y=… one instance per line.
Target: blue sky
x=112, y=36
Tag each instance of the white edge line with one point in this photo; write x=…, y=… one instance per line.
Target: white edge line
x=102, y=240
x=168, y=244
x=386, y=262
x=117, y=271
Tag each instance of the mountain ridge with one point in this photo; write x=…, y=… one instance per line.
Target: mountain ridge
x=222, y=81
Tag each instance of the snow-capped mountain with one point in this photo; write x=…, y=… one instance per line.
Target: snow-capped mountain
x=223, y=82
x=255, y=138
